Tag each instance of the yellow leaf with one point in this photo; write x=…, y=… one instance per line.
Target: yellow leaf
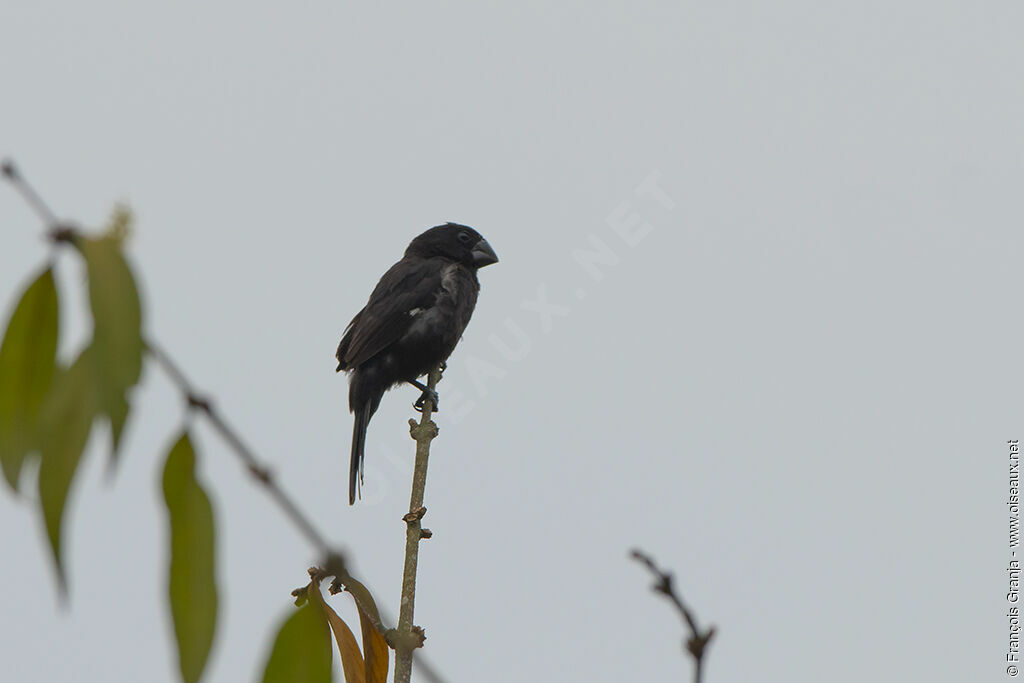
x=351, y=657
x=377, y=653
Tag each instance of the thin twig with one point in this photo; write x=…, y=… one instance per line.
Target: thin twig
x=664, y=584
x=260, y=472
x=63, y=232
x=409, y=637
x=263, y=476
x=32, y=198
x=252, y=464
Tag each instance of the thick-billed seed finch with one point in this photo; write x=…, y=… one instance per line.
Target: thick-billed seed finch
x=412, y=322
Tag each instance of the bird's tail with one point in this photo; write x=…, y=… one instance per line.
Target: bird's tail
x=355, y=468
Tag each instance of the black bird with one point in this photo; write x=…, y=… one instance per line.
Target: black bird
x=412, y=322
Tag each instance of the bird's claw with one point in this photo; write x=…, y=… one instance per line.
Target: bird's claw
x=427, y=395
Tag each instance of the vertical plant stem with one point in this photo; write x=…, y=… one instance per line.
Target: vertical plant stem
x=410, y=637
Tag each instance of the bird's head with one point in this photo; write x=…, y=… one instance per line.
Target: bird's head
x=459, y=243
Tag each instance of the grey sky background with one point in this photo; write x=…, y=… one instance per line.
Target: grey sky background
x=792, y=387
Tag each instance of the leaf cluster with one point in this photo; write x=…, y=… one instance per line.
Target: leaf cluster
x=50, y=407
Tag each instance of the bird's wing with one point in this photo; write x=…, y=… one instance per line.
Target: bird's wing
x=407, y=286
x=346, y=339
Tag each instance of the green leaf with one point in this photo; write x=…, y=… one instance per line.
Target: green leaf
x=192, y=584
x=26, y=370
x=302, y=650
x=119, y=227
x=117, y=327
x=64, y=425
x=118, y=415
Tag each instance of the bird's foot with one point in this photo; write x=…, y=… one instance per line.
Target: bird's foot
x=427, y=395
x=441, y=368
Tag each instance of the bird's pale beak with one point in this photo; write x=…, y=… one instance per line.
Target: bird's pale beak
x=483, y=255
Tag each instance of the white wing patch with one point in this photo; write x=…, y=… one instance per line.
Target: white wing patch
x=449, y=283
x=416, y=311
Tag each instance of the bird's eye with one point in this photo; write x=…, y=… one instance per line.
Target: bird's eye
x=464, y=237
